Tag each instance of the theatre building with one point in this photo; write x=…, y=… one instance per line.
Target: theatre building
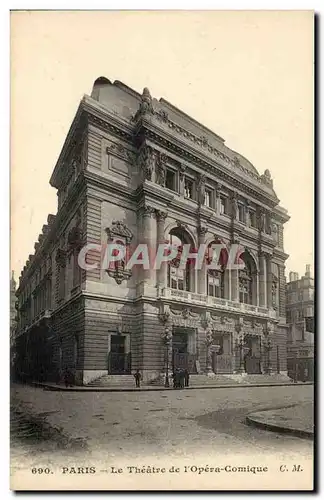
x=134, y=169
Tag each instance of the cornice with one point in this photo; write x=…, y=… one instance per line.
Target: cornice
x=77, y=127
x=280, y=254
x=96, y=180
x=186, y=151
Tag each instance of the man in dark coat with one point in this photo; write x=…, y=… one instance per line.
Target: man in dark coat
x=186, y=377
x=138, y=378
x=182, y=379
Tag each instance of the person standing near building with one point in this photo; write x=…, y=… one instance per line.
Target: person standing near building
x=182, y=379
x=186, y=377
x=138, y=378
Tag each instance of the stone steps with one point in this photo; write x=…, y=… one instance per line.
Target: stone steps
x=113, y=381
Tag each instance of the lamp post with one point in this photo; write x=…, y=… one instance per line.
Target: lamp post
x=243, y=349
x=268, y=346
x=209, y=341
x=167, y=336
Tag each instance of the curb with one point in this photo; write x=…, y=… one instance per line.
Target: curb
x=47, y=387
x=250, y=420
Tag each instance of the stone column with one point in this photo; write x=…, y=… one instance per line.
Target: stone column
x=227, y=284
x=202, y=272
x=149, y=238
x=234, y=285
x=246, y=213
x=255, y=288
x=262, y=280
x=182, y=170
x=160, y=239
x=217, y=199
x=269, y=282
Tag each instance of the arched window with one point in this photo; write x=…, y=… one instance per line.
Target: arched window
x=179, y=278
x=247, y=280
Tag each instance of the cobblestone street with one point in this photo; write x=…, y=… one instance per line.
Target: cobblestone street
x=77, y=426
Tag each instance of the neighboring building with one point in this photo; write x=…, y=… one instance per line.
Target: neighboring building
x=13, y=308
x=300, y=318
x=13, y=315
x=138, y=170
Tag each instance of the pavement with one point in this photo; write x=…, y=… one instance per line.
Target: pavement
x=155, y=388
x=296, y=419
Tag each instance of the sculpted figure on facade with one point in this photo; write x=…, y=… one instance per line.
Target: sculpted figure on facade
x=266, y=178
x=161, y=169
x=201, y=189
x=146, y=106
x=261, y=220
x=234, y=205
x=146, y=161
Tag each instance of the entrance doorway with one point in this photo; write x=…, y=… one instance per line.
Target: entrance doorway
x=118, y=359
x=181, y=358
x=252, y=360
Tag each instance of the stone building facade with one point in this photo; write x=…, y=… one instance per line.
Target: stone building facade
x=13, y=318
x=135, y=170
x=301, y=326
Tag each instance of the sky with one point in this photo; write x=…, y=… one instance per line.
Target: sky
x=246, y=75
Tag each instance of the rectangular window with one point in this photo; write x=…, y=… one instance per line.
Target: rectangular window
x=189, y=188
x=241, y=213
x=208, y=198
x=216, y=284
x=170, y=180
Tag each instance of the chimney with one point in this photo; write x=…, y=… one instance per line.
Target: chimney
x=308, y=271
x=293, y=276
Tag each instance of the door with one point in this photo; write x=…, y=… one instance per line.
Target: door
x=179, y=350
x=118, y=359
x=252, y=360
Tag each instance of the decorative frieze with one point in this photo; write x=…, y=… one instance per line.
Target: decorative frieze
x=119, y=230
x=160, y=215
x=118, y=149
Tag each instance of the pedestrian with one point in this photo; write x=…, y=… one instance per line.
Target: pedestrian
x=66, y=377
x=182, y=379
x=186, y=377
x=138, y=378
x=174, y=380
x=177, y=378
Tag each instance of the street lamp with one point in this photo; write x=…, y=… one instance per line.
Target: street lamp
x=167, y=336
x=243, y=349
x=268, y=346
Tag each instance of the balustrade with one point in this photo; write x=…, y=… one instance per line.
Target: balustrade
x=197, y=298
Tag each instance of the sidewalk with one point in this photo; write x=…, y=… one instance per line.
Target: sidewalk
x=297, y=419
x=82, y=388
